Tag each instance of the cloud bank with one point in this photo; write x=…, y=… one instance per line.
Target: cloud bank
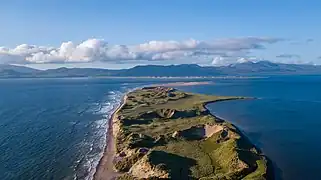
x=91, y=50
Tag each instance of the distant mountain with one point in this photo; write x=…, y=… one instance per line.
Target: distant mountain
x=76, y=72
x=267, y=67
x=20, y=69
x=16, y=71
x=171, y=70
x=240, y=69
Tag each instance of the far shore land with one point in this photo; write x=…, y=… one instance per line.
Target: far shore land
x=178, y=84
x=180, y=77
x=106, y=169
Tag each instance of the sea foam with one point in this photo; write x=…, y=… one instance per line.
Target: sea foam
x=87, y=165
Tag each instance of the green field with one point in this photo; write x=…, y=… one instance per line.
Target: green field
x=169, y=134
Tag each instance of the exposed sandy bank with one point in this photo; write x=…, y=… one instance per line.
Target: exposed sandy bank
x=105, y=170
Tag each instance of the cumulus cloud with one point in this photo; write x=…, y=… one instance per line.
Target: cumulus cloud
x=289, y=56
x=221, y=61
x=221, y=50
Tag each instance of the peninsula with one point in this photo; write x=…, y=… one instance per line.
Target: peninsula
x=163, y=133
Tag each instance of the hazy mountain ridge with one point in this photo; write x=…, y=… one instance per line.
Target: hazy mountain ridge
x=267, y=67
x=247, y=68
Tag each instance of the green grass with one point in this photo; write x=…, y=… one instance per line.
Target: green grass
x=259, y=172
x=149, y=119
x=169, y=126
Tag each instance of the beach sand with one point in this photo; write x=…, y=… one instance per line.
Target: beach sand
x=105, y=169
x=177, y=84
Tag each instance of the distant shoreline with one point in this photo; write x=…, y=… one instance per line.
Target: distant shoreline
x=141, y=77
x=178, y=84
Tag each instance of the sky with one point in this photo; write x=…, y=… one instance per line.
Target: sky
x=121, y=34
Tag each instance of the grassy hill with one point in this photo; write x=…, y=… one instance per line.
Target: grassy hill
x=163, y=133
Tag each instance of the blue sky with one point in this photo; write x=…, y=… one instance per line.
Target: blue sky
x=44, y=25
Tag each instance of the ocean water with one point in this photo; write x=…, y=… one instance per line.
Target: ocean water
x=56, y=128
x=284, y=121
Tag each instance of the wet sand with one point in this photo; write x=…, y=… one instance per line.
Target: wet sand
x=105, y=169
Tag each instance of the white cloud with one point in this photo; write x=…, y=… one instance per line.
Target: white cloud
x=221, y=61
x=98, y=50
x=242, y=60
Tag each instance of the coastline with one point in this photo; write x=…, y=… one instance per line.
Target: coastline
x=179, y=84
x=105, y=169
x=271, y=173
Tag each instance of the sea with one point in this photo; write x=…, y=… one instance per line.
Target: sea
x=55, y=128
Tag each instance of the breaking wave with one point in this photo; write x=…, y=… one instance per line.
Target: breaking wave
x=94, y=144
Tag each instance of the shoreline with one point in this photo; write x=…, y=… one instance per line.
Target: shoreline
x=141, y=77
x=270, y=175
x=271, y=172
x=180, y=84
x=105, y=169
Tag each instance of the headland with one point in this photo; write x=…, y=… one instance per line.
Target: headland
x=163, y=133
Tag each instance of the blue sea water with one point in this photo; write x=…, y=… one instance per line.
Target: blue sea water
x=53, y=128
x=56, y=128
x=284, y=121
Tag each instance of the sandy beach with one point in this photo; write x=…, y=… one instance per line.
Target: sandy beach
x=105, y=170
x=178, y=84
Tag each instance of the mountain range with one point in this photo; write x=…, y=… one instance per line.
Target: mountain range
x=239, y=69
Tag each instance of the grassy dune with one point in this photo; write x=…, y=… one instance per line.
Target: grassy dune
x=168, y=134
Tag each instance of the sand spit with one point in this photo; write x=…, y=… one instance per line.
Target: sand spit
x=105, y=169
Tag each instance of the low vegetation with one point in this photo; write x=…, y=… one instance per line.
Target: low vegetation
x=168, y=134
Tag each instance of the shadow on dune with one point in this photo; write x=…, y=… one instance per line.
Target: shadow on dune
x=178, y=166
